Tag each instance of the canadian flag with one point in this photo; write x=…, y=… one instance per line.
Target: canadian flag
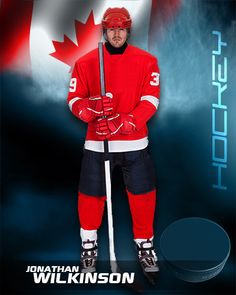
x=45, y=38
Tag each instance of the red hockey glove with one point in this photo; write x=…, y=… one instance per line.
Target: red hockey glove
x=96, y=106
x=115, y=124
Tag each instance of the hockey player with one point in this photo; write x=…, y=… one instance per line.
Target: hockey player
x=132, y=98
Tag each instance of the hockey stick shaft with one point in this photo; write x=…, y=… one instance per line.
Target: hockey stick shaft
x=113, y=263
x=114, y=266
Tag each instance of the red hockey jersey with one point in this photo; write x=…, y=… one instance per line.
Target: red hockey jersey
x=133, y=79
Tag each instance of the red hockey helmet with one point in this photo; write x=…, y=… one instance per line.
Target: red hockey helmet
x=116, y=17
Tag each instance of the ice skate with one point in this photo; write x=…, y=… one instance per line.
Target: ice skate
x=88, y=256
x=148, y=259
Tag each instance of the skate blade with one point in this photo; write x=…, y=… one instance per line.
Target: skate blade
x=89, y=270
x=153, y=269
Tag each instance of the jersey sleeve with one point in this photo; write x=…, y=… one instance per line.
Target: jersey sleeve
x=78, y=92
x=150, y=94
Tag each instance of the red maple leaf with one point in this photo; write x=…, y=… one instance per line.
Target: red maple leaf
x=88, y=35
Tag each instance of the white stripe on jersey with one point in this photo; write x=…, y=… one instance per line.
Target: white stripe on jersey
x=117, y=146
x=152, y=99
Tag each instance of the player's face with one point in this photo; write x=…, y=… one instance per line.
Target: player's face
x=116, y=37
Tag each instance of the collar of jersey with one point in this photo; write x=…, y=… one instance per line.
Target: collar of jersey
x=112, y=50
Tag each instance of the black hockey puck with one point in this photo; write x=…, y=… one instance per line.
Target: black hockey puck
x=195, y=249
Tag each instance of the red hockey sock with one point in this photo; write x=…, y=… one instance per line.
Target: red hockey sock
x=90, y=211
x=142, y=207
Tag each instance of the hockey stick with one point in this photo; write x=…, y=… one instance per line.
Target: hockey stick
x=113, y=262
